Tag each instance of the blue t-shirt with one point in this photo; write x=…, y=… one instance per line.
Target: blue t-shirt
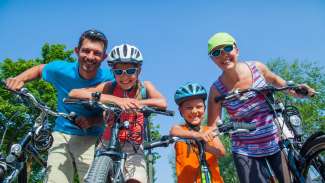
x=64, y=76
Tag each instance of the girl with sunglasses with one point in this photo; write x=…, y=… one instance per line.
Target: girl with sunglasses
x=128, y=93
x=250, y=150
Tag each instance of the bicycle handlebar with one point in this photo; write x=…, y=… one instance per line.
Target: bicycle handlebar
x=232, y=127
x=112, y=107
x=271, y=89
x=24, y=93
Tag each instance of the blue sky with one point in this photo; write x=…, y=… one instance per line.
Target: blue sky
x=171, y=34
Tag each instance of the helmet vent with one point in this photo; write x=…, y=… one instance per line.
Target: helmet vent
x=184, y=90
x=125, y=50
x=190, y=87
x=118, y=52
x=197, y=88
x=132, y=51
x=113, y=53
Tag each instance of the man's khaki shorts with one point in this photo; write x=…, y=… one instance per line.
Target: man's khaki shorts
x=135, y=164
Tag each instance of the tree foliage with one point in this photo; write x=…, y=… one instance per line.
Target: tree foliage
x=311, y=109
x=23, y=116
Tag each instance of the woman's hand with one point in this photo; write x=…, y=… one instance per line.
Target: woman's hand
x=310, y=91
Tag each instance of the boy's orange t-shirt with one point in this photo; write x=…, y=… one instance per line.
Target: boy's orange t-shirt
x=188, y=165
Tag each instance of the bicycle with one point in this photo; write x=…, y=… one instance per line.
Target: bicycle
x=302, y=156
x=205, y=175
x=108, y=165
x=38, y=139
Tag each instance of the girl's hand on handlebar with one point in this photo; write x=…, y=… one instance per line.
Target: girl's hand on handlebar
x=128, y=103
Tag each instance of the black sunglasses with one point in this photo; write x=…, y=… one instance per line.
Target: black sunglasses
x=94, y=33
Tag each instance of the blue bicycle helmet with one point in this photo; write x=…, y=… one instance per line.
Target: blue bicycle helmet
x=189, y=90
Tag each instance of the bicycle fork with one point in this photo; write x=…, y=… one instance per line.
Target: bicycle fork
x=205, y=174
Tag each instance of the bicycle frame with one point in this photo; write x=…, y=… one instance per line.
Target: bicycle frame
x=113, y=149
x=205, y=171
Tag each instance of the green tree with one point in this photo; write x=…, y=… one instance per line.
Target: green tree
x=311, y=109
x=42, y=90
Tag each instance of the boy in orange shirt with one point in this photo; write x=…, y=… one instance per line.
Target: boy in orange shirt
x=191, y=101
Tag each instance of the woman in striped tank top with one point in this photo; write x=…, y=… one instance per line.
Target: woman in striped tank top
x=250, y=150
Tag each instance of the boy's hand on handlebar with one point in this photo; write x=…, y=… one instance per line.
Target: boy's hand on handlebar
x=14, y=83
x=207, y=136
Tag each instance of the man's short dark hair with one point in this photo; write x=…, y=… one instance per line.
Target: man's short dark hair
x=93, y=35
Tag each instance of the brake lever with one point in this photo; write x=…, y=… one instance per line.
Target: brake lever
x=238, y=131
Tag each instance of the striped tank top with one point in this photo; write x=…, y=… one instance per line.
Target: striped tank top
x=252, y=108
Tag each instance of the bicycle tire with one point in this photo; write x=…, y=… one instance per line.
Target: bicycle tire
x=100, y=170
x=307, y=143
x=314, y=156
x=22, y=176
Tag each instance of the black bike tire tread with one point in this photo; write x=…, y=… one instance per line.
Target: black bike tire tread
x=99, y=170
x=306, y=146
x=314, y=148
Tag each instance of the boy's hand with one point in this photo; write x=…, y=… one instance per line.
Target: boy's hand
x=207, y=136
x=128, y=103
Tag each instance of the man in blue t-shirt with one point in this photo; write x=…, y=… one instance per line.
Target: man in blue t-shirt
x=74, y=142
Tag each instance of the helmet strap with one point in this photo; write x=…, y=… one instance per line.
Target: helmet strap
x=193, y=127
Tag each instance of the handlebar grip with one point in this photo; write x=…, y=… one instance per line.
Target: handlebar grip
x=155, y=144
x=3, y=82
x=150, y=110
x=220, y=98
x=244, y=126
x=70, y=100
x=225, y=127
x=169, y=113
x=301, y=91
x=164, y=141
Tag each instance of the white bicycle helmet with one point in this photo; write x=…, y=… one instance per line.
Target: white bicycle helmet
x=125, y=53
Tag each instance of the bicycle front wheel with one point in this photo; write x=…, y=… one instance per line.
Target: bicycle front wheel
x=100, y=170
x=314, y=156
